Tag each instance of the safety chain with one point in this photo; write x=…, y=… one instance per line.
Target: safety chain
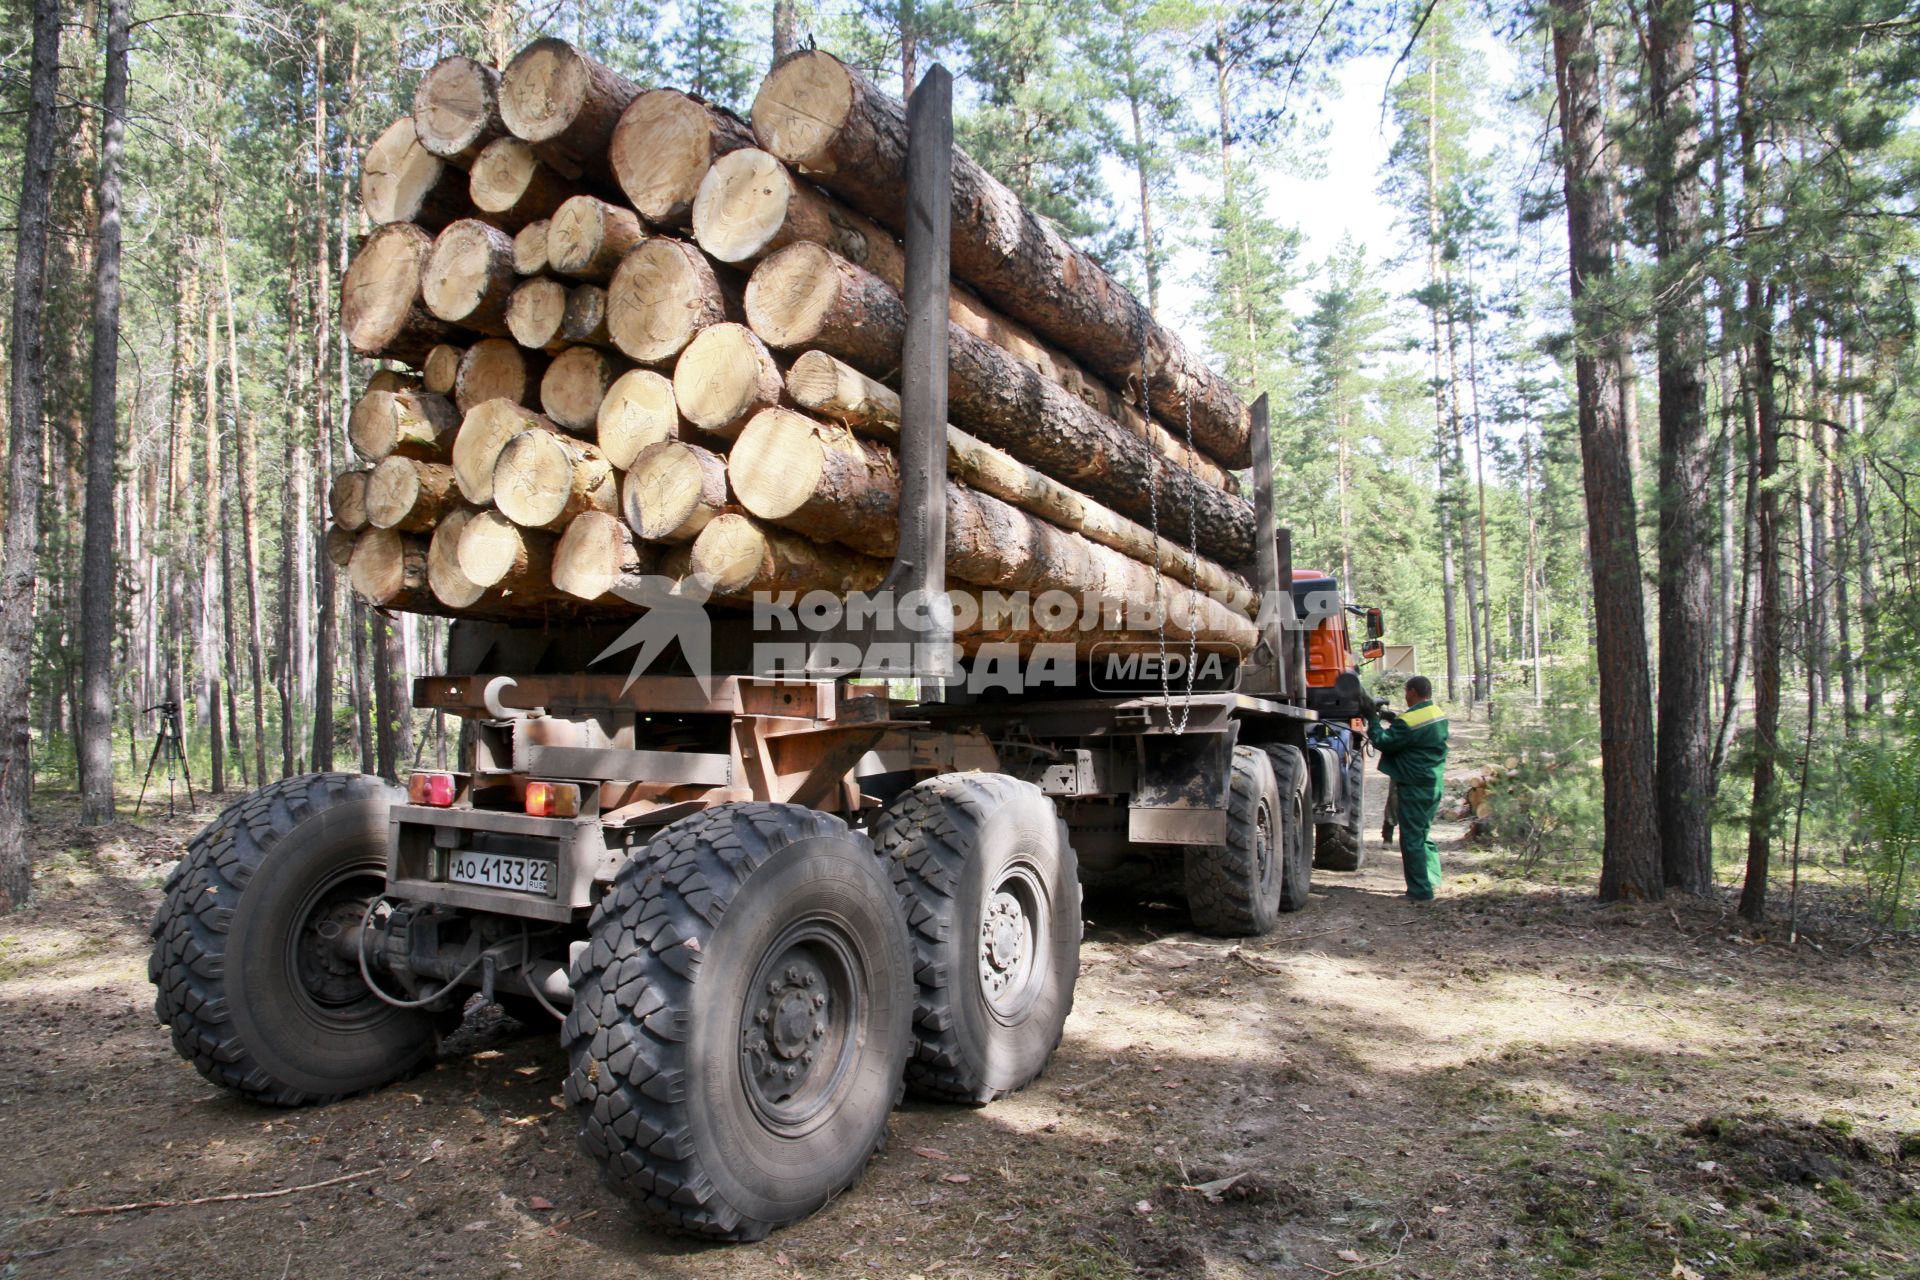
x=1193, y=543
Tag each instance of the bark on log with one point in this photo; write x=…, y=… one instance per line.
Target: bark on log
x=340, y=545
x=738, y=556
x=822, y=117
x=725, y=376
x=543, y=479
x=674, y=490
x=662, y=148
x=804, y=296
x=456, y=109
x=417, y=424
x=567, y=105
x=588, y=237
x=575, y=385
x=495, y=553
x=441, y=368
x=638, y=410
x=380, y=303
x=497, y=369
x=401, y=181
x=829, y=389
x=510, y=186
x=470, y=278
x=597, y=559
x=536, y=313
x=483, y=434
x=389, y=569
x=347, y=500
x=585, y=319
x=663, y=293
x=449, y=585
x=530, y=248
x=821, y=480
x=410, y=495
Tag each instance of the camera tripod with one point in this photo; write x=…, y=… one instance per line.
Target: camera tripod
x=168, y=745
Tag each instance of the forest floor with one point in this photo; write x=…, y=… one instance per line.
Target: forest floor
x=1509, y=1082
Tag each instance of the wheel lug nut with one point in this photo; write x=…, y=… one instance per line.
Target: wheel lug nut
x=819, y=1002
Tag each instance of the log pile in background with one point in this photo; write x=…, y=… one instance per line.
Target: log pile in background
x=652, y=339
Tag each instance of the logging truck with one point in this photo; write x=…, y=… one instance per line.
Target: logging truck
x=759, y=904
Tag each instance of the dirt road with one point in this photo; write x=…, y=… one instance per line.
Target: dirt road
x=1508, y=1082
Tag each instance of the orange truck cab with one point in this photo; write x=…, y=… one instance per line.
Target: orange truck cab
x=1336, y=744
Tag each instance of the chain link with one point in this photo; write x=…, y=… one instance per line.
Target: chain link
x=1193, y=545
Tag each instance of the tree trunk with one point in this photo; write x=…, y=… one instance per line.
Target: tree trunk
x=1630, y=866
x=825, y=119
x=535, y=313
x=326, y=619
x=598, y=559
x=587, y=238
x=401, y=181
x=456, y=109
x=381, y=306
x=737, y=556
x=513, y=190
x=638, y=410
x=543, y=479
x=389, y=569
x=663, y=293
x=584, y=319
x=247, y=467
x=410, y=496
x=786, y=28
x=673, y=491
x=390, y=698
x=804, y=296
x=483, y=434
x=663, y=146
x=410, y=424
x=496, y=554
x=1682, y=771
x=530, y=248
x=567, y=106
x=441, y=369
x=97, y=566
x=469, y=277
x=725, y=376
x=213, y=564
x=26, y=437
x=496, y=369
x=575, y=384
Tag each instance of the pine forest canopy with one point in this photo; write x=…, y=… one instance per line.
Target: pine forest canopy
x=1619, y=417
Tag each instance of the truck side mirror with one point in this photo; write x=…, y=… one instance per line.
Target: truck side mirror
x=1373, y=649
x=1376, y=626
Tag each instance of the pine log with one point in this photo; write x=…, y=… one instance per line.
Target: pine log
x=497, y=369
x=340, y=545
x=638, y=410
x=449, y=585
x=585, y=320
x=588, y=237
x=347, y=500
x=470, y=278
x=440, y=369
x=821, y=480
x=530, y=248
x=665, y=292
x=389, y=569
x=380, y=303
x=575, y=384
x=417, y=424
x=825, y=119
x=662, y=148
x=483, y=434
x=543, y=479
x=673, y=490
x=751, y=206
x=805, y=296
x=510, y=186
x=567, y=105
x=410, y=495
x=497, y=554
x=456, y=109
x=829, y=389
x=536, y=312
x=395, y=380
x=725, y=376
x=597, y=559
x=401, y=181
x=738, y=556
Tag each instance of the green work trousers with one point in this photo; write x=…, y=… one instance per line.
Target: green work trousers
x=1419, y=856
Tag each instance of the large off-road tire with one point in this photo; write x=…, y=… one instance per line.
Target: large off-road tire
x=1342, y=845
x=1233, y=890
x=1296, y=825
x=251, y=982
x=742, y=943
x=985, y=869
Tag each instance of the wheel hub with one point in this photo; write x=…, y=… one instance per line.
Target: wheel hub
x=795, y=1030
x=328, y=970
x=1011, y=963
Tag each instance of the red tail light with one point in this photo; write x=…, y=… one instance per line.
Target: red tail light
x=435, y=789
x=553, y=799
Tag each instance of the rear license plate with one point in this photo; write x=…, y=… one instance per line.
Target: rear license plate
x=503, y=871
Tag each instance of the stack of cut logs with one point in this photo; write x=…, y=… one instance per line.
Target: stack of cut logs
x=642, y=337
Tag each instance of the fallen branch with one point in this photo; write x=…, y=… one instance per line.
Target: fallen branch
x=94, y=1211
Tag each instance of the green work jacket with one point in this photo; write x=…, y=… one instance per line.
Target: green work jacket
x=1413, y=749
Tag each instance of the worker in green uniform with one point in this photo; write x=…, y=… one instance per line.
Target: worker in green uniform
x=1413, y=752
